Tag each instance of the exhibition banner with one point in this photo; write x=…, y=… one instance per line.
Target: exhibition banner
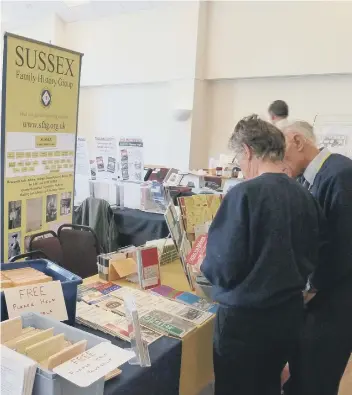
x=38, y=139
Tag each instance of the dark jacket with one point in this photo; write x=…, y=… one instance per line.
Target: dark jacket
x=97, y=214
x=263, y=243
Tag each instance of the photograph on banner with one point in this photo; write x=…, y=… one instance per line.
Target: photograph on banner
x=131, y=159
x=40, y=105
x=107, y=166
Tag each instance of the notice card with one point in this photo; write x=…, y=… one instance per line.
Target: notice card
x=93, y=364
x=45, y=298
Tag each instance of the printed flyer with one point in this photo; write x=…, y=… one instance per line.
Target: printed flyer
x=38, y=135
x=131, y=159
x=82, y=172
x=105, y=158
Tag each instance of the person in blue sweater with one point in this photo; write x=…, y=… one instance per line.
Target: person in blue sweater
x=262, y=245
x=326, y=342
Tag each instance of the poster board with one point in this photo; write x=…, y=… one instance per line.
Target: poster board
x=131, y=159
x=107, y=165
x=82, y=172
x=335, y=133
x=38, y=136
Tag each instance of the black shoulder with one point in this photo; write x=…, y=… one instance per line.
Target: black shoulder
x=338, y=172
x=239, y=190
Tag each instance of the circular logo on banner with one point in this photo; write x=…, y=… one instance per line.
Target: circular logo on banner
x=45, y=98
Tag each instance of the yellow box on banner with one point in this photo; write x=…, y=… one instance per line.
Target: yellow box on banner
x=45, y=141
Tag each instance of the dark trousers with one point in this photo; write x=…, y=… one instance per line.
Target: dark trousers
x=251, y=347
x=325, y=345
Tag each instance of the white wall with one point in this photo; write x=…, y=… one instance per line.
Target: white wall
x=307, y=96
x=138, y=110
x=41, y=29
x=137, y=69
x=141, y=66
x=147, y=46
x=260, y=38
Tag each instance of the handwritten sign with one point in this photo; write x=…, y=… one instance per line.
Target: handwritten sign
x=93, y=364
x=45, y=298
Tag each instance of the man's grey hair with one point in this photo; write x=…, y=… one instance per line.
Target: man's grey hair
x=264, y=139
x=302, y=127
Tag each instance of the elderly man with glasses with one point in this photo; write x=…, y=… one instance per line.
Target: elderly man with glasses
x=326, y=341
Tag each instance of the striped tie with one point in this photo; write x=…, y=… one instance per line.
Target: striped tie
x=305, y=183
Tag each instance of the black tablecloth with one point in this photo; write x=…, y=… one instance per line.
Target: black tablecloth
x=137, y=227
x=162, y=377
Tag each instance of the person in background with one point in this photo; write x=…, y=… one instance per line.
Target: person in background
x=326, y=342
x=262, y=245
x=278, y=113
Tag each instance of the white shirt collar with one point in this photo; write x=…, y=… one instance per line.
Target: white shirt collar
x=315, y=165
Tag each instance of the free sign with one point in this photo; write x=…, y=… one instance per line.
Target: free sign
x=46, y=299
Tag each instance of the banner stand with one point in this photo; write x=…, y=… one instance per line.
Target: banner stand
x=40, y=97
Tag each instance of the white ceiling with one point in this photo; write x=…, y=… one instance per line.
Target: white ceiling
x=18, y=13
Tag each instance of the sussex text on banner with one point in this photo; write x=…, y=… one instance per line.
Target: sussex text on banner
x=38, y=139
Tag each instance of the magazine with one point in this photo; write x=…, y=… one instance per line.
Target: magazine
x=180, y=310
x=186, y=298
x=166, y=323
x=91, y=292
x=110, y=323
x=147, y=301
x=197, y=302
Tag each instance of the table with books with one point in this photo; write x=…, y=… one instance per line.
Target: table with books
x=176, y=324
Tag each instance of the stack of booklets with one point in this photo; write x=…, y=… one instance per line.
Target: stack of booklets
x=166, y=249
x=196, y=255
x=108, y=321
x=25, y=348
x=17, y=373
x=42, y=346
x=90, y=293
x=187, y=298
x=198, y=211
x=190, y=227
x=156, y=312
x=24, y=276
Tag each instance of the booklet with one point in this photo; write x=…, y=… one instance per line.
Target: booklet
x=166, y=323
x=17, y=373
x=108, y=322
x=186, y=297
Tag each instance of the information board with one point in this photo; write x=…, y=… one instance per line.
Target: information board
x=38, y=139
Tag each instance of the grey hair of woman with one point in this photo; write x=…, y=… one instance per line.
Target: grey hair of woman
x=265, y=140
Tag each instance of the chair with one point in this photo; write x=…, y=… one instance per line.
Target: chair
x=80, y=248
x=36, y=254
x=48, y=243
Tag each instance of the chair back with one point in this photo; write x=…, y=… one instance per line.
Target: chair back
x=80, y=249
x=48, y=243
x=36, y=254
